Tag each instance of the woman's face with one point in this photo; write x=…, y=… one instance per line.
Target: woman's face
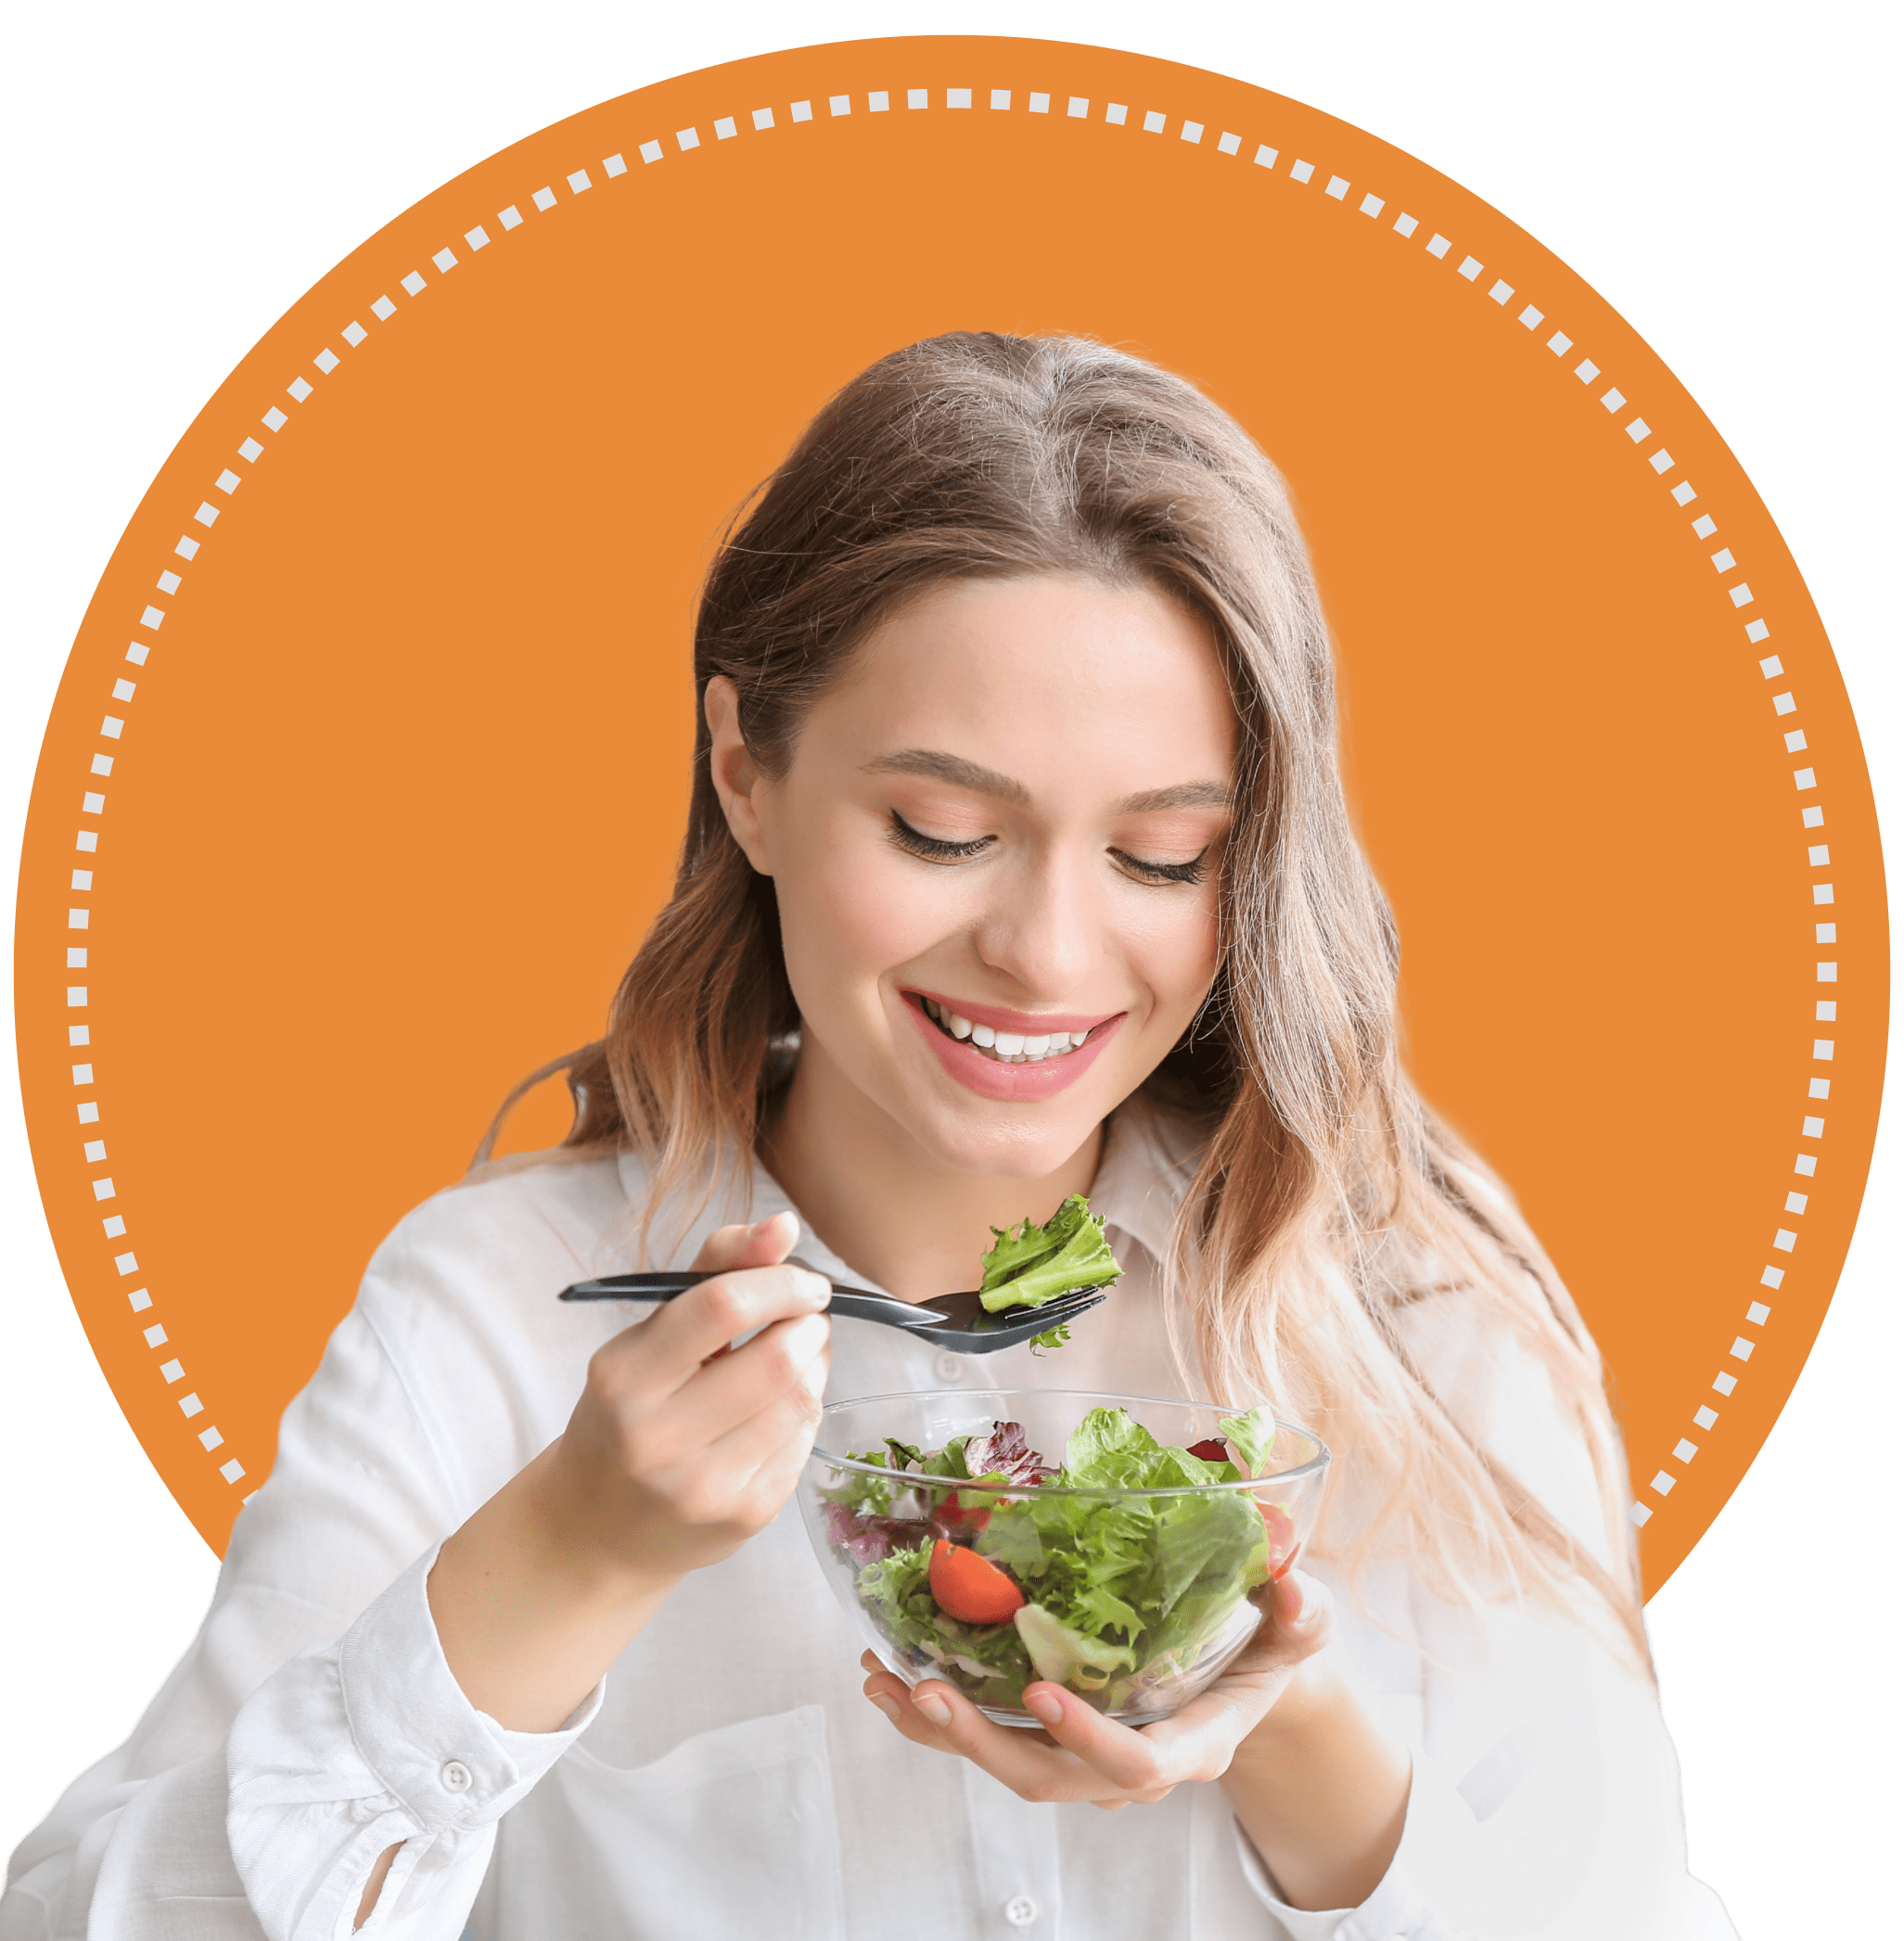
x=996, y=852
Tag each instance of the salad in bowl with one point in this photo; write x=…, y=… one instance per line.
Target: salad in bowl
x=1106, y=1543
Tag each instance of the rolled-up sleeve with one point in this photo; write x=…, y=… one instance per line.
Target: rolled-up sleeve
x=1544, y=1802
x=315, y=1722
x=1394, y=1911
x=1567, y=1832
x=367, y=1744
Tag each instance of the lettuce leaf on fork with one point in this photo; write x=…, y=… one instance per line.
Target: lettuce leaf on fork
x=1029, y=1265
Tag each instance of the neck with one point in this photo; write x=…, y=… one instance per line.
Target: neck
x=910, y=1223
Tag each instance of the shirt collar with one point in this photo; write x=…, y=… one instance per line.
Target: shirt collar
x=1149, y=1158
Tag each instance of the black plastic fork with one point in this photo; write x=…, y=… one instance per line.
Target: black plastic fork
x=953, y=1321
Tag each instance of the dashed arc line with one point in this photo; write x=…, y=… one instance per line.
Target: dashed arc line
x=1298, y=171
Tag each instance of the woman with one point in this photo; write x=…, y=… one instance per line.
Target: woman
x=1016, y=725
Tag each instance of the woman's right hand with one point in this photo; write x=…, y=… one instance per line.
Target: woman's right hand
x=677, y=1452
x=680, y=1449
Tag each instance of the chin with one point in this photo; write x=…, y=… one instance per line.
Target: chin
x=1031, y=1149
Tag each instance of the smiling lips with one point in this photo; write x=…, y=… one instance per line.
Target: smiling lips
x=1007, y=1047
x=1010, y=1055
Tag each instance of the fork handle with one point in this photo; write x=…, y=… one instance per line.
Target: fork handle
x=856, y=1303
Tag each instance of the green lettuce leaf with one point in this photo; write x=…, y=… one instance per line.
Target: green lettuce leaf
x=1067, y=1656
x=1029, y=1265
x=895, y=1591
x=864, y=1496
x=1250, y=1435
x=948, y=1461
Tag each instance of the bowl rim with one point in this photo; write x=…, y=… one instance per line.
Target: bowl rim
x=1299, y=1471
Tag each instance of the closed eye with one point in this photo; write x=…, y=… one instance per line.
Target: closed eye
x=936, y=848
x=1190, y=871
x=932, y=849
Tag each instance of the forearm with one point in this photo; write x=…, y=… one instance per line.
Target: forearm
x=530, y=1622
x=1322, y=1793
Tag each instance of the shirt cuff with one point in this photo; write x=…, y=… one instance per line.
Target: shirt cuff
x=429, y=1747
x=1395, y=1910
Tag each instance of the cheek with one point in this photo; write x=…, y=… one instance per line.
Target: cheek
x=1173, y=952
x=847, y=917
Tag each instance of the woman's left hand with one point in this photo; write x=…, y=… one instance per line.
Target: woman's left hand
x=1083, y=1756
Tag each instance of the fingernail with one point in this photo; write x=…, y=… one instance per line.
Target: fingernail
x=1045, y=1706
x=819, y=1289
x=889, y=1706
x=934, y=1707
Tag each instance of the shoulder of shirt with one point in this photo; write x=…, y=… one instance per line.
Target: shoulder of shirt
x=1494, y=1381
x=560, y=1207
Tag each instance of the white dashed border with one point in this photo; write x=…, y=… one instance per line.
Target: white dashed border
x=1298, y=173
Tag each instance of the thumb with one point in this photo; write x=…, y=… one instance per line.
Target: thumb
x=764, y=1244
x=1302, y=1614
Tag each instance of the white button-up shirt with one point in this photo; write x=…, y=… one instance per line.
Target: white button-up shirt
x=728, y=1779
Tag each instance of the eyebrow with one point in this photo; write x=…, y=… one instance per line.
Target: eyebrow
x=938, y=766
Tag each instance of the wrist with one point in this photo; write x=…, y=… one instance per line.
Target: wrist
x=1315, y=1701
x=590, y=1554
x=529, y=1614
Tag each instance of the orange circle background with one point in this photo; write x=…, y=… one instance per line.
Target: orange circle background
x=404, y=775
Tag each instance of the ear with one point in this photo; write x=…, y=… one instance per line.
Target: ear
x=737, y=779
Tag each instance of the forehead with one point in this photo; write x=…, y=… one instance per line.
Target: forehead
x=1032, y=675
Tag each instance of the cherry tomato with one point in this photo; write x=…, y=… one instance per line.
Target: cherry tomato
x=971, y=1587
x=951, y=1518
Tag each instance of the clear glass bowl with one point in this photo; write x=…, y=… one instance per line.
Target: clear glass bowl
x=1175, y=1566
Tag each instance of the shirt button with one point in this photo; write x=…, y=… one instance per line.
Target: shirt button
x=948, y=1367
x=1021, y=1910
x=456, y=1777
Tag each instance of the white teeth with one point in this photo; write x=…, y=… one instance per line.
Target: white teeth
x=1006, y=1047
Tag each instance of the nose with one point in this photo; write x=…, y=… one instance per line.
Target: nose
x=1041, y=927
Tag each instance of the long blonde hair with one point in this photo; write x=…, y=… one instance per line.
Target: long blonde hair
x=1327, y=1198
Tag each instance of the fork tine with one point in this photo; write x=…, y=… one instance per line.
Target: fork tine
x=1010, y=1329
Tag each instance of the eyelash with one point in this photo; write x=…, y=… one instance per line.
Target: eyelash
x=916, y=842
x=1190, y=871
x=932, y=849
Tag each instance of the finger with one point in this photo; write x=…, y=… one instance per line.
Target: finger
x=763, y=1391
x=787, y=1429
x=882, y=1683
x=1298, y=1617
x=659, y=1356
x=711, y=1437
x=1302, y=1616
x=1129, y=1762
x=765, y=1243
x=1035, y=1772
x=889, y=1695
x=903, y=1716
